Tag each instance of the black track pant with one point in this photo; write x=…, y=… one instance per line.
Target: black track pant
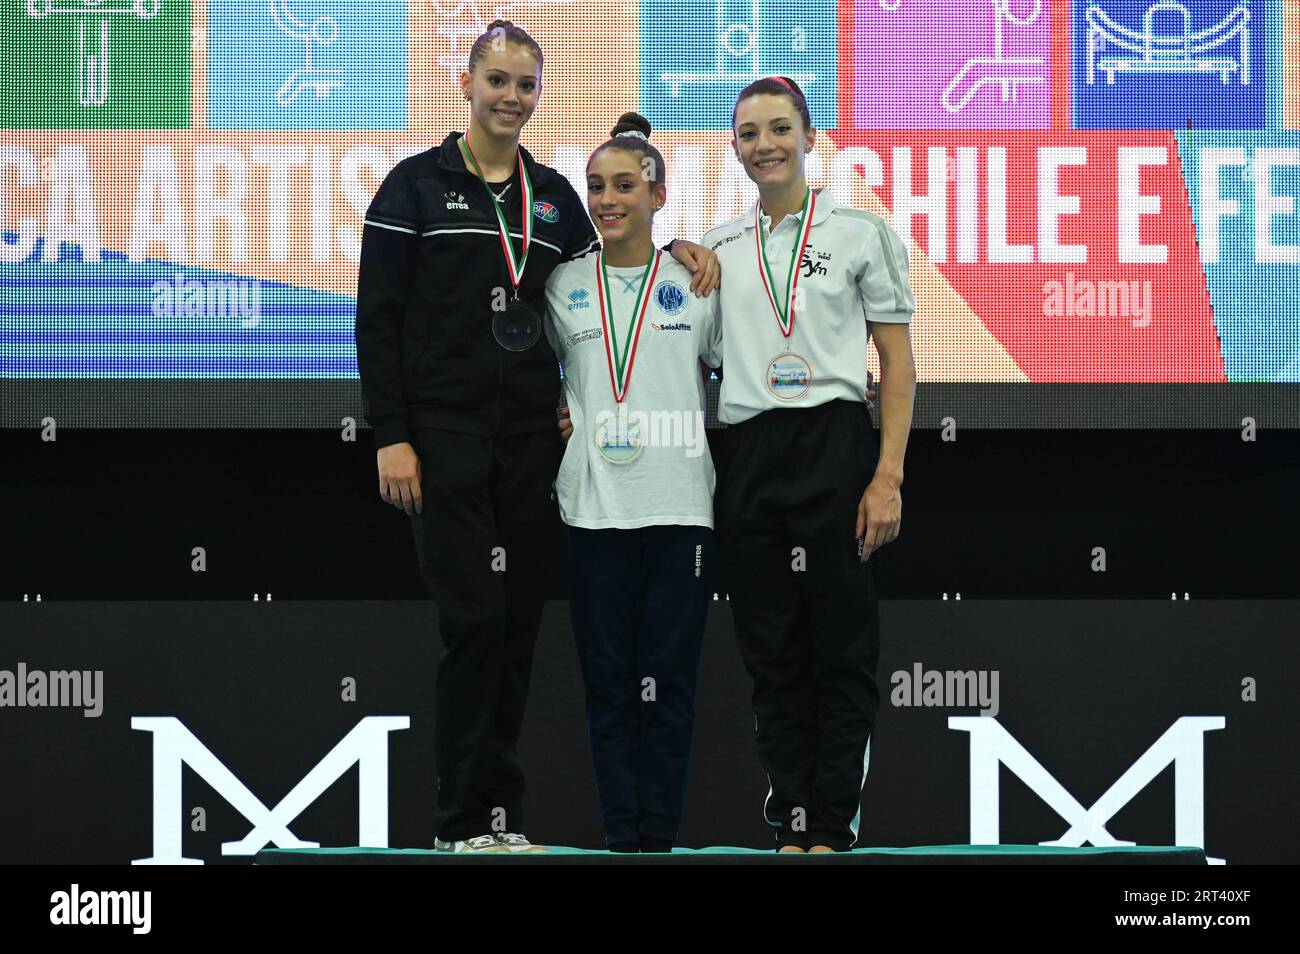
x=805, y=609
x=486, y=505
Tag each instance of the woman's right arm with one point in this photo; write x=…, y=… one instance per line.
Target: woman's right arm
x=385, y=284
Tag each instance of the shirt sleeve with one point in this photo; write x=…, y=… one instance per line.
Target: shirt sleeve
x=551, y=325
x=883, y=282
x=385, y=284
x=711, y=340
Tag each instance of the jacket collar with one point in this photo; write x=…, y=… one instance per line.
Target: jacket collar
x=825, y=204
x=449, y=156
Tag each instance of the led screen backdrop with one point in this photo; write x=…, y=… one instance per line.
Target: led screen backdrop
x=1095, y=192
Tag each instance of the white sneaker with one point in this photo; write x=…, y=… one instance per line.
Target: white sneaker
x=482, y=844
x=517, y=843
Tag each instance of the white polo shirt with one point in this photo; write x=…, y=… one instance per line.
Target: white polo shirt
x=643, y=461
x=854, y=271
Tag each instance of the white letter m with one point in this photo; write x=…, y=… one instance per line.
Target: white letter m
x=175, y=746
x=1183, y=743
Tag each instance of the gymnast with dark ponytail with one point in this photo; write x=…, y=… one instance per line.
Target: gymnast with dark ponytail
x=635, y=490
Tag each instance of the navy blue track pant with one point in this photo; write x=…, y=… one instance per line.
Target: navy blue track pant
x=640, y=599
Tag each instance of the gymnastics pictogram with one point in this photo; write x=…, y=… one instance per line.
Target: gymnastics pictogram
x=92, y=67
x=320, y=32
x=462, y=22
x=737, y=51
x=1167, y=44
x=998, y=70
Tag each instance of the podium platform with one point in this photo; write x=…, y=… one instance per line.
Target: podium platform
x=921, y=855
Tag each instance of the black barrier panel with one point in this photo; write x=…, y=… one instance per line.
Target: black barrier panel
x=1152, y=722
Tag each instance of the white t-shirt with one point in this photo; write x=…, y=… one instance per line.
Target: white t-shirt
x=644, y=461
x=854, y=271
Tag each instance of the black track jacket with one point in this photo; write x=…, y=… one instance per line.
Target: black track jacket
x=431, y=258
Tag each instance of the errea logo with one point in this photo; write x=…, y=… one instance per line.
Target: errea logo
x=456, y=200
x=578, y=299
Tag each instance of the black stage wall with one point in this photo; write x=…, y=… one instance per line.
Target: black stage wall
x=1095, y=665
x=1127, y=719
x=994, y=514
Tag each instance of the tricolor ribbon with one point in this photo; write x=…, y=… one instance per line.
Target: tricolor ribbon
x=620, y=365
x=516, y=266
x=784, y=316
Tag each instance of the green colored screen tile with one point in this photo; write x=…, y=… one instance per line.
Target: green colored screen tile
x=52, y=63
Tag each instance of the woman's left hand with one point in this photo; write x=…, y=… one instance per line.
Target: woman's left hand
x=702, y=263
x=880, y=515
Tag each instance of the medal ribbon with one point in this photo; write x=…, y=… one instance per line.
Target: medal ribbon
x=620, y=365
x=516, y=266
x=784, y=315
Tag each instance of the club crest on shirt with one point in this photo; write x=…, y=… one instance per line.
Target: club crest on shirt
x=808, y=267
x=546, y=212
x=670, y=297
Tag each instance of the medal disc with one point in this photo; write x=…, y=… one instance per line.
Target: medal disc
x=619, y=442
x=788, y=376
x=518, y=327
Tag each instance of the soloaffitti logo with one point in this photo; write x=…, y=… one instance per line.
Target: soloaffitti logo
x=680, y=326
